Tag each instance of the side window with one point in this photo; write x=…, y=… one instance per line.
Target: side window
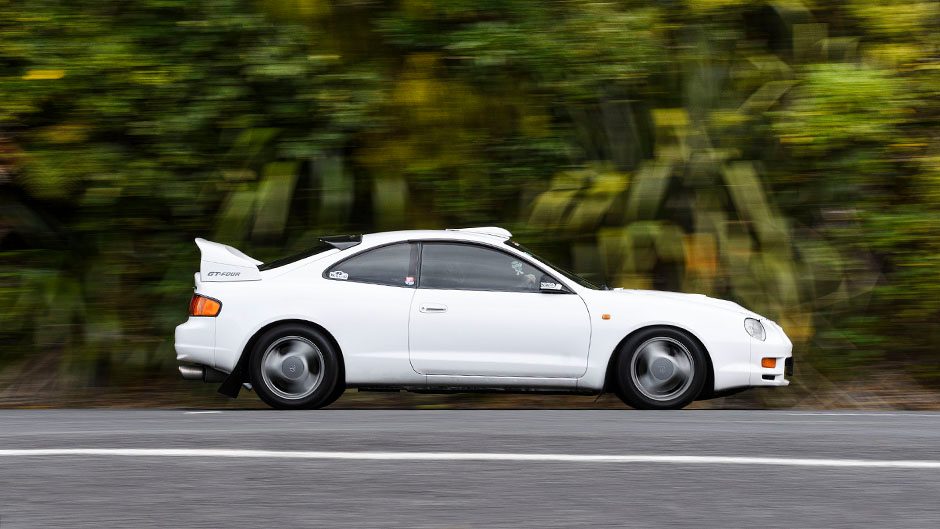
x=387, y=265
x=469, y=267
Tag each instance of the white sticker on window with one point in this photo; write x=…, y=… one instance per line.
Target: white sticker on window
x=339, y=274
x=549, y=286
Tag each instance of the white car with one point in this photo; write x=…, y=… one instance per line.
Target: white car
x=459, y=310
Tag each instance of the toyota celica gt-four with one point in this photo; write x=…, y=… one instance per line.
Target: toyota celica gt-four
x=459, y=310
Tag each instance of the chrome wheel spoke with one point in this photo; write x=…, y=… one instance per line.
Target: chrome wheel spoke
x=313, y=369
x=653, y=352
x=648, y=381
x=292, y=367
x=271, y=364
x=683, y=367
x=299, y=348
x=662, y=368
x=294, y=386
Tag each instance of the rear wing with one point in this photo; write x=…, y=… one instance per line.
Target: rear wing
x=220, y=262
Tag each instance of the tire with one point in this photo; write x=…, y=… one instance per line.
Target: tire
x=660, y=368
x=293, y=367
x=337, y=393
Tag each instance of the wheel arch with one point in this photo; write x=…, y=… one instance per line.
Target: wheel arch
x=239, y=374
x=610, y=379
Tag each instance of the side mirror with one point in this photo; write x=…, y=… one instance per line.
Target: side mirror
x=548, y=285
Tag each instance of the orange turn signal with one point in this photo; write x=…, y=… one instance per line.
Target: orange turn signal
x=769, y=363
x=203, y=306
x=605, y=316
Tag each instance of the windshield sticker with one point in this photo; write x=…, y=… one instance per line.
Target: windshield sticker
x=517, y=266
x=339, y=274
x=409, y=280
x=549, y=286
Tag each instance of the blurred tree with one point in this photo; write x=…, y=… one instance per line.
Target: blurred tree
x=778, y=153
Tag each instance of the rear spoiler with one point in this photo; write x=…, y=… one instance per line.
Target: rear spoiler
x=341, y=242
x=220, y=262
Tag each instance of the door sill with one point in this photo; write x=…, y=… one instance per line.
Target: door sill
x=480, y=381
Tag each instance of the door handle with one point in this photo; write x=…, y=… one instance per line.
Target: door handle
x=432, y=308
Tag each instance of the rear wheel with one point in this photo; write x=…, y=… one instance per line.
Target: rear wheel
x=660, y=369
x=295, y=367
x=336, y=394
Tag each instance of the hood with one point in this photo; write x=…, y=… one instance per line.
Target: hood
x=698, y=299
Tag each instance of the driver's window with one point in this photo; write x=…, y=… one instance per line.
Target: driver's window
x=469, y=267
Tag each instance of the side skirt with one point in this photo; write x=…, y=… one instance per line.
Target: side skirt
x=476, y=389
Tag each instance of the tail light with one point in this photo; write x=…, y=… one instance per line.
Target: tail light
x=203, y=306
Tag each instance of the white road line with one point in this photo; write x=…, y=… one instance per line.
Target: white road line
x=470, y=456
x=865, y=414
x=199, y=412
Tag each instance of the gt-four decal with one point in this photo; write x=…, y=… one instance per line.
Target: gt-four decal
x=339, y=274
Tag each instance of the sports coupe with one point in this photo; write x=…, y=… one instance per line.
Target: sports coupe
x=459, y=310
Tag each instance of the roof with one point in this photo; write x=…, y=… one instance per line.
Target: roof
x=483, y=234
x=486, y=230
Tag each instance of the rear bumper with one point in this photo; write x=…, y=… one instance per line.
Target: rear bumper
x=195, y=341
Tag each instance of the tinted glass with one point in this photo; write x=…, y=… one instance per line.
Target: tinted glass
x=338, y=242
x=468, y=267
x=567, y=273
x=320, y=248
x=388, y=265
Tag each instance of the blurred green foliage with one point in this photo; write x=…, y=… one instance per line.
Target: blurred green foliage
x=781, y=154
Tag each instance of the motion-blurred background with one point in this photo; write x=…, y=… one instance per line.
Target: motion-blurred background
x=783, y=154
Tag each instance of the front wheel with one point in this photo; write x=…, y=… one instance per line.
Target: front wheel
x=660, y=369
x=295, y=367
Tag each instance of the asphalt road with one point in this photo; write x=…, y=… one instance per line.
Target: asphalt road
x=382, y=468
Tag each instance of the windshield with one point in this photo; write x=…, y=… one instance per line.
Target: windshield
x=567, y=273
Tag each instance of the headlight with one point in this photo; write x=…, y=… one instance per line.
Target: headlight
x=755, y=328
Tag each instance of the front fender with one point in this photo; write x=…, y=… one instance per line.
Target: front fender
x=719, y=329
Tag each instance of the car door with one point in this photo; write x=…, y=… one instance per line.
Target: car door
x=365, y=304
x=481, y=311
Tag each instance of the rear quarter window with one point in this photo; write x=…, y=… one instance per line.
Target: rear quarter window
x=391, y=265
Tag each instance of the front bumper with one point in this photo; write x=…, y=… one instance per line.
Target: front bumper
x=777, y=346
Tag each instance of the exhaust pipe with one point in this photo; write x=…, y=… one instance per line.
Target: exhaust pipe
x=203, y=373
x=191, y=372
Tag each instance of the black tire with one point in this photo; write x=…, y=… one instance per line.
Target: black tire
x=319, y=369
x=337, y=393
x=678, y=346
